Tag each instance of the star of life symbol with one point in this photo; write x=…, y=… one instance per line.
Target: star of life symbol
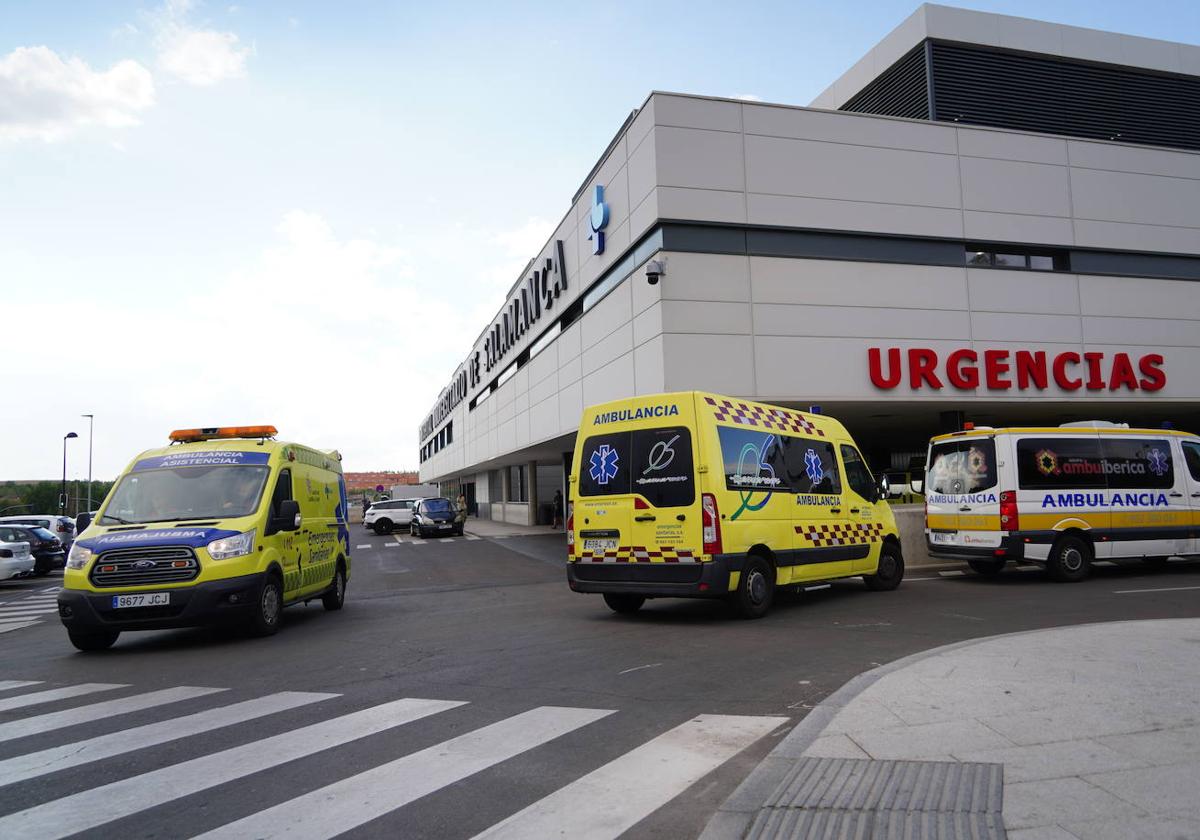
x=1158, y=461
x=812, y=467
x=603, y=464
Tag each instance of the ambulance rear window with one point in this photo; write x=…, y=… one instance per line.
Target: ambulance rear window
x=958, y=467
x=654, y=463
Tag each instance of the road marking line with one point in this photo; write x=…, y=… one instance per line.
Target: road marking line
x=50, y=695
x=14, y=619
x=101, y=805
x=367, y=545
x=52, y=589
x=955, y=573
x=416, y=542
x=914, y=580
x=28, y=608
x=7, y=685
x=638, y=668
x=393, y=545
x=1163, y=589
x=353, y=801
x=4, y=628
x=98, y=711
x=610, y=800
x=31, y=765
x=471, y=537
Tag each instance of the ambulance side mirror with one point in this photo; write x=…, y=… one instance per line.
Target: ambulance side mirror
x=288, y=518
x=918, y=485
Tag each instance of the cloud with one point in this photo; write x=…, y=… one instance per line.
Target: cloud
x=44, y=96
x=194, y=55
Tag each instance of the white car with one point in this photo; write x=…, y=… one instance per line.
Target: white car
x=15, y=559
x=384, y=517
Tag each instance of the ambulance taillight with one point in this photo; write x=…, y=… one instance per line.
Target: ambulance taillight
x=570, y=529
x=711, y=521
x=1009, y=519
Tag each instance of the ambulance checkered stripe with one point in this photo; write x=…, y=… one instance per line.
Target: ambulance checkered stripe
x=373, y=784
x=639, y=554
x=859, y=533
x=763, y=417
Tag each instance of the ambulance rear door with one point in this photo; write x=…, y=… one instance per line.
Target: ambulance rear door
x=962, y=499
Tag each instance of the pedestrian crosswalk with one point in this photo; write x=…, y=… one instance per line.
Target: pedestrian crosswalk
x=605, y=801
x=25, y=608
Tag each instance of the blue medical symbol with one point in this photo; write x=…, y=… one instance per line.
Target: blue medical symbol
x=598, y=220
x=328, y=491
x=1158, y=462
x=812, y=467
x=603, y=464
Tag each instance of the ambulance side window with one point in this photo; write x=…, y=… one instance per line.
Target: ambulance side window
x=1191, y=454
x=812, y=466
x=283, y=491
x=1132, y=463
x=857, y=475
x=1067, y=462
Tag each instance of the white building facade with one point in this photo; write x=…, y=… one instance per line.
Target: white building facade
x=1025, y=249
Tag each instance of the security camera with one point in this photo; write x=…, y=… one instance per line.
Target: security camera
x=654, y=270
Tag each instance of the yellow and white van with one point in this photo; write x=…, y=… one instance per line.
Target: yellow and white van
x=225, y=524
x=699, y=495
x=1062, y=496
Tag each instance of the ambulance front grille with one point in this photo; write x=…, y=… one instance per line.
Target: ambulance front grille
x=145, y=566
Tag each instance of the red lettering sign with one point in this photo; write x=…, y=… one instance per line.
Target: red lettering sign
x=1022, y=369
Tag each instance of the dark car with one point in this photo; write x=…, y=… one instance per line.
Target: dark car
x=62, y=527
x=434, y=516
x=47, y=549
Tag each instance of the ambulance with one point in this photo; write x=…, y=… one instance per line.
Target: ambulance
x=697, y=495
x=224, y=525
x=1062, y=496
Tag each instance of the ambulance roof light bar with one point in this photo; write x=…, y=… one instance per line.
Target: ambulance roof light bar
x=221, y=433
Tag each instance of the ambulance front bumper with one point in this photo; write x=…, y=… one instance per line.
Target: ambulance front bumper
x=213, y=602
x=708, y=579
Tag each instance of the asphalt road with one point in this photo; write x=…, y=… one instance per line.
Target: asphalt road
x=606, y=703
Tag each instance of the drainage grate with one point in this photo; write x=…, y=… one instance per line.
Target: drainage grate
x=858, y=799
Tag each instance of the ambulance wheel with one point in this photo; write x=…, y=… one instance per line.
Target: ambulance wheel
x=890, y=571
x=100, y=640
x=987, y=568
x=756, y=588
x=265, y=619
x=624, y=604
x=335, y=596
x=1070, y=560
x=1156, y=564
x=383, y=527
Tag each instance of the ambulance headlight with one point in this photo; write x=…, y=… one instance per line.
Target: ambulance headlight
x=227, y=547
x=79, y=557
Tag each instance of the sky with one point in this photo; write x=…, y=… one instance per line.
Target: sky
x=302, y=213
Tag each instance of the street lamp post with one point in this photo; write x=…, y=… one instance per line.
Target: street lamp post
x=62, y=496
x=91, y=419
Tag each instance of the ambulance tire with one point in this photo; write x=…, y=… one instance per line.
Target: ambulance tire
x=1070, y=560
x=335, y=595
x=383, y=527
x=987, y=568
x=1155, y=564
x=890, y=571
x=756, y=588
x=624, y=604
x=268, y=606
x=90, y=642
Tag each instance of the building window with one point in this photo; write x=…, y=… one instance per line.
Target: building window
x=495, y=490
x=516, y=484
x=1015, y=258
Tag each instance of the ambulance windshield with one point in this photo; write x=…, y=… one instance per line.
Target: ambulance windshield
x=185, y=493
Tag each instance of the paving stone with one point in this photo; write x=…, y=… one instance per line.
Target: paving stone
x=1156, y=790
x=1054, y=761
x=1060, y=801
x=1163, y=746
x=1042, y=832
x=1141, y=828
x=835, y=746
x=933, y=739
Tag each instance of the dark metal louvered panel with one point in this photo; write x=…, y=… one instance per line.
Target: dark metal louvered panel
x=900, y=91
x=1003, y=89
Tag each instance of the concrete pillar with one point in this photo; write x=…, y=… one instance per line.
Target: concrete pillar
x=531, y=482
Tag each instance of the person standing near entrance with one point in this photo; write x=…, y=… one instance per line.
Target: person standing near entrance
x=558, y=509
x=460, y=515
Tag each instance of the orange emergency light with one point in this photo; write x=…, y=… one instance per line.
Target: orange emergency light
x=219, y=432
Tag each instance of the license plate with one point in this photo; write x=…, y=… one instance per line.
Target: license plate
x=446, y=527
x=142, y=599
x=943, y=537
x=600, y=545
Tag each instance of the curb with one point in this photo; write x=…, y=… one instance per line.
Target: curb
x=736, y=813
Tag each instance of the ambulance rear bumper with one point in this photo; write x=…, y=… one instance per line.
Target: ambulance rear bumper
x=708, y=579
x=1010, y=548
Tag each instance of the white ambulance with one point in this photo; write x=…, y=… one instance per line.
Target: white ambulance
x=1062, y=496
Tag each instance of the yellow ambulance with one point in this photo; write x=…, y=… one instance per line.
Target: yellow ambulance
x=1062, y=496
x=699, y=495
x=224, y=525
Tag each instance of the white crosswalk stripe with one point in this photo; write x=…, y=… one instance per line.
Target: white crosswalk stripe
x=608, y=801
x=366, y=545
x=6, y=627
x=599, y=805
x=472, y=537
x=361, y=798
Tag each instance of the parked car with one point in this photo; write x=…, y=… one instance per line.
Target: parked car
x=434, y=516
x=388, y=515
x=15, y=560
x=62, y=527
x=47, y=549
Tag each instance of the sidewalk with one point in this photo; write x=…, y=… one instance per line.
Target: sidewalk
x=492, y=529
x=1072, y=734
